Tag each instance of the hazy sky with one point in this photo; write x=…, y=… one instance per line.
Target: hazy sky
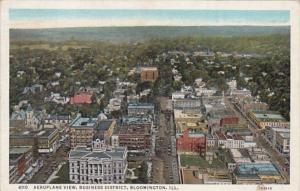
x=41, y=18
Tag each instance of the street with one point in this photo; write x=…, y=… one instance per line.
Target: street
x=166, y=149
x=51, y=162
x=276, y=158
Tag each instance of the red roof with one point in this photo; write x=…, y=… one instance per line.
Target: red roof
x=81, y=98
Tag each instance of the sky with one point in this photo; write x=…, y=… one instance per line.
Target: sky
x=43, y=18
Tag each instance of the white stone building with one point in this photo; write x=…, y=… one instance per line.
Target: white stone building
x=99, y=165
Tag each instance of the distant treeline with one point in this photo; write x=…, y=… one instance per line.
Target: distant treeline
x=138, y=34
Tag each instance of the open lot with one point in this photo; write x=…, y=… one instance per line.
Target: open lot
x=195, y=160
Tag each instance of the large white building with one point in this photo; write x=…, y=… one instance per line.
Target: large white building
x=101, y=165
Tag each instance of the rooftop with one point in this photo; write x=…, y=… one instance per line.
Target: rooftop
x=147, y=119
x=29, y=133
x=182, y=114
x=46, y=132
x=141, y=105
x=219, y=111
x=148, y=68
x=83, y=152
x=19, y=149
x=104, y=124
x=135, y=129
x=285, y=135
x=257, y=168
x=83, y=122
x=268, y=115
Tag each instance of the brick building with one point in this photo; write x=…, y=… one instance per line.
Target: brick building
x=135, y=137
x=83, y=130
x=149, y=74
x=191, y=142
x=230, y=120
x=221, y=116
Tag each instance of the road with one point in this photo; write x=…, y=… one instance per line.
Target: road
x=276, y=158
x=166, y=149
x=51, y=162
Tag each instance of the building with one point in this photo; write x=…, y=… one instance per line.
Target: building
x=20, y=159
x=258, y=155
x=189, y=120
x=202, y=91
x=136, y=137
x=222, y=116
x=257, y=173
x=27, y=118
x=114, y=104
x=138, y=108
x=229, y=141
x=191, y=141
x=33, y=89
x=178, y=95
x=211, y=141
x=268, y=118
x=248, y=104
x=279, y=138
x=104, y=130
x=98, y=166
x=216, y=178
x=44, y=141
x=187, y=104
x=82, y=131
x=133, y=98
x=18, y=119
x=48, y=140
x=59, y=121
x=83, y=97
x=149, y=74
x=57, y=98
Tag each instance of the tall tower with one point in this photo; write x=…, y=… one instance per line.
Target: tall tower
x=29, y=115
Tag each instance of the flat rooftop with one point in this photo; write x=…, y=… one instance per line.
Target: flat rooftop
x=181, y=114
x=135, y=129
x=257, y=168
x=104, y=124
x=19, y=149
x=148, y=68
x=285, y=135
x=140, y=105
x=30, y=133
x=46, y=132
x=84, y=122
x=268, y=115
x=147, y=119
x=219, y=111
